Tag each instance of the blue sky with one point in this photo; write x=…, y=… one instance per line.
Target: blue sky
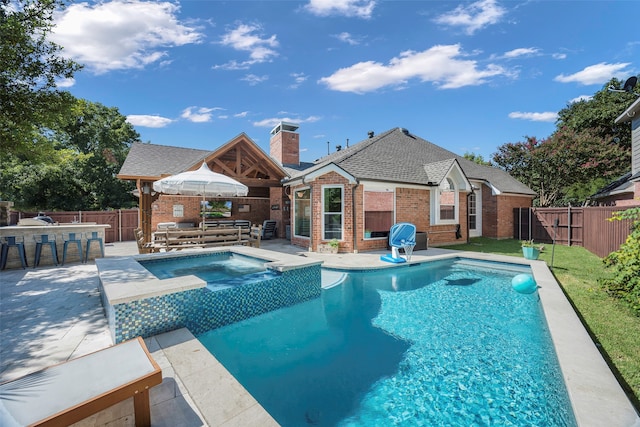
x=468, y=76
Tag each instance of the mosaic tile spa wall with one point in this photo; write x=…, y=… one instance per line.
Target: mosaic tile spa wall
x=200, y=310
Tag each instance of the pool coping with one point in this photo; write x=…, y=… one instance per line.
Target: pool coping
x=596, y=396
x=124, y=279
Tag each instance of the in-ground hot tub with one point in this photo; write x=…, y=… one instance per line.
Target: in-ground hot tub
x=139, y=303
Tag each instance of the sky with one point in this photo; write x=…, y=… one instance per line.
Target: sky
x=467, y=76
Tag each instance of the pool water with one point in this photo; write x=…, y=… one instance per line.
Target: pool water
x=219, y=270
x=445, y=343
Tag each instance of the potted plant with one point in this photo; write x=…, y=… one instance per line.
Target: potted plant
x=530, y=250
x=330, y=247
x=367, y=234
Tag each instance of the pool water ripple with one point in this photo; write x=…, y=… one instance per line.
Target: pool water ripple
x=452, y=345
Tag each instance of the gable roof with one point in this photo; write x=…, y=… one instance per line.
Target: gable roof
x=398, y=156
x=239, y=158
x=154, y=161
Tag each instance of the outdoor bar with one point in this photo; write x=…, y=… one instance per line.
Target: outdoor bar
x=29, y=233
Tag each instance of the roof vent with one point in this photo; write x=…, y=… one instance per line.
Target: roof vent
x=370, y=133
x=405, y=131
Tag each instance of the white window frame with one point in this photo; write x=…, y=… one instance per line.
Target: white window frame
x=435, y=205
x=295, y=201
x=323, y=213
x=374, y=189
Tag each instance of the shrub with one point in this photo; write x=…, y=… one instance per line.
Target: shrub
x=624, y=264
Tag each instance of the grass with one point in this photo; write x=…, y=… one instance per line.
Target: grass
x=613, y=326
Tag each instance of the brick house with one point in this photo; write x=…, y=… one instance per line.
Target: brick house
x=625, y=191
x=355, y=194
x=241, y=158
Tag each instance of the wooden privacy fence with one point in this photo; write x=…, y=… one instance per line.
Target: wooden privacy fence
x=122, y=221
x=587, y=227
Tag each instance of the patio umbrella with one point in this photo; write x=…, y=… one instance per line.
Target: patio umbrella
x=202, y=182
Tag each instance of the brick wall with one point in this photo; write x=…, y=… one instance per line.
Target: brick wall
x=259, y=209
x=285, y=147
x=412, y=205
x=504, y=220
x=489, y=213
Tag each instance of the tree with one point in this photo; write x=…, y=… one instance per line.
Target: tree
x=102, y=137
x=586, y=151
x=90, y=146
x=599, y=114
x=29, y=67
x=476, y=158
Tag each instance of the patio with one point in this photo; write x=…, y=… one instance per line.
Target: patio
x=51, y=314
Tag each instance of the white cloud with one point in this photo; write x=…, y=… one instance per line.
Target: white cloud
x=148, y=121
x=253, y=80
x=347, y=38
x=351, y=8
x=473, y=17
x=198, y=114
x=440, y=65
x=595, y=74
x=120, y=34
x=523, y=51
x=559, y=56
x=62, y=83
x=299, y=78
x=271, y=122
x=247, y=38
x=547, y=116
x=241, y=115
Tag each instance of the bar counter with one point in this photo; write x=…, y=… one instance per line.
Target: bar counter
x=29, y=231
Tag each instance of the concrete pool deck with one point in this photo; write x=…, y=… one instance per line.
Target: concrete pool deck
x=51, y=314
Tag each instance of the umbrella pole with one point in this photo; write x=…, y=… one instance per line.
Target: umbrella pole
x=202, y=205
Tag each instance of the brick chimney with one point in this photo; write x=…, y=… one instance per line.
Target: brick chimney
x=285, y=144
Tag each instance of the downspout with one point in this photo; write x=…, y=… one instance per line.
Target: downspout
x=354, y=233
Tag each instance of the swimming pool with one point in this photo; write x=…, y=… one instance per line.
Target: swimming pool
x=443, y=343
x=220, y=270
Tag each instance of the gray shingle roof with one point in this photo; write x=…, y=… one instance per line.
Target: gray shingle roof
x=156, y=160
x=398, y=156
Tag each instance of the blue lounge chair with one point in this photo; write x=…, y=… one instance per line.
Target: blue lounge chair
x=401, y=235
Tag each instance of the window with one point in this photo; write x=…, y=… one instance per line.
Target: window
x=178, y=211
x=378, y=213
x=447, y=203
x=332, y=213
x=302, y=213
x=473, y=214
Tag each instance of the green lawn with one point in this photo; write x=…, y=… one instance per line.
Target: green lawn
x=612, y=325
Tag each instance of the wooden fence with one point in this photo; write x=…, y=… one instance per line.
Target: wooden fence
x=122, y=221
x=587, y=227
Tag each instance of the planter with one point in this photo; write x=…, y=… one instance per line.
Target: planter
x=530, y=252
x=324, y=248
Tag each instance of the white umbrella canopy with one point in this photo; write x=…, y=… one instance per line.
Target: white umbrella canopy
x=202, y=182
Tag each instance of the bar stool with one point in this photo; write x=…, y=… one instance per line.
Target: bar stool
x=94, y=236
x=45, y=239
x=13, y=242
x=72, y=238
